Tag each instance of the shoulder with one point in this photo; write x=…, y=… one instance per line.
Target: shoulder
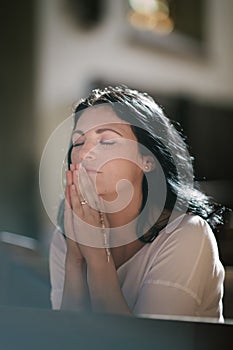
x=190, y=241
x=190, y=229
x=187, y=255
x=197, y=233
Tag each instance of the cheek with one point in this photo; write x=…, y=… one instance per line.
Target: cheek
x=110, y=183
x=121, y=169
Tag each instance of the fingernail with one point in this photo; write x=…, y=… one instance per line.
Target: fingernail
x=72, y=167
x=73, y=187
x=76, y=172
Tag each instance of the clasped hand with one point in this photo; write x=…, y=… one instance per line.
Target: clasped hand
x=83, y=218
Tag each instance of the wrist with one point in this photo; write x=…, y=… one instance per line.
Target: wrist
x=73, y=252
x=74, y=259
x=100, y=263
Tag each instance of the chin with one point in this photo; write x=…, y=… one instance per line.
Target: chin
x=109, y=197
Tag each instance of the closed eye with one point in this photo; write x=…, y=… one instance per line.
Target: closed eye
x=104, y=143
x=78, y=144
x=107, y=143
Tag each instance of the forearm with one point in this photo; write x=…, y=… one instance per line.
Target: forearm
x=75, y=292
x=104, y=289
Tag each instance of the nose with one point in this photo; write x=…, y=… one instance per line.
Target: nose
x=86, y=151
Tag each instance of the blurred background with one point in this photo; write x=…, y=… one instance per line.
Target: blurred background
x=53, y=52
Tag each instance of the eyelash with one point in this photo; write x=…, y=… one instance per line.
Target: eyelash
x=104, y=143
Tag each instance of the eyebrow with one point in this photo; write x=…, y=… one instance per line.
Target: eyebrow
x=98, y=131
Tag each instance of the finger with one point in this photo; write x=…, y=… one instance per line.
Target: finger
x=69, y=177
x=74, y=191
x=88, y=190
x=84, y=192
x=76, y=182
x=67, y=197
x=72, y=167
x=77, y=212
x=68, y=221
x=75, y=200
x=68, y=184
x=86, y=209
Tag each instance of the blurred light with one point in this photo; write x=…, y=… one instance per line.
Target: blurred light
x=143, y=6
x=150, y=15
x=164, y=26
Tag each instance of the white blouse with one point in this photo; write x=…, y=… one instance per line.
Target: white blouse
x=179, y=273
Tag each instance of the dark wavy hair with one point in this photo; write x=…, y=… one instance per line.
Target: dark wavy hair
x=162, y=137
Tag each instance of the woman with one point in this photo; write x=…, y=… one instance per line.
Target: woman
x=136, y=237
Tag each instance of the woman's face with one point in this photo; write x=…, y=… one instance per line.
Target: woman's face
x=107, y=148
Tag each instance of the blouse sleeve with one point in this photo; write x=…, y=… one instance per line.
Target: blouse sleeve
x=57, y=256
x=186, y=277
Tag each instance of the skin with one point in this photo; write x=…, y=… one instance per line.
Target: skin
x=107, y=148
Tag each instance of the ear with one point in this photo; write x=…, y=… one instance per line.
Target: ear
x=148, y=163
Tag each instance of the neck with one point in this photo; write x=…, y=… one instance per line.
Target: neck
x=124, y=253
x=118, y=218
x=121, y=218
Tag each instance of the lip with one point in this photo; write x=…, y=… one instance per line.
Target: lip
x=88, y=170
